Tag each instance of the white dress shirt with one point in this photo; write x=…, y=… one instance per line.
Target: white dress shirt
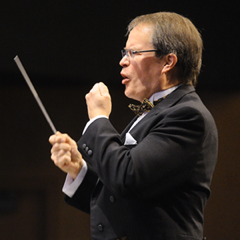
x=70, y=186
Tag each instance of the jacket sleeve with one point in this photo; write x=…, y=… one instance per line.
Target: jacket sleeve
x=81, y=198
x=165, y=157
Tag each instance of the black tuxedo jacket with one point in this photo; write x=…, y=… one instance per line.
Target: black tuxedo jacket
x=158, y=188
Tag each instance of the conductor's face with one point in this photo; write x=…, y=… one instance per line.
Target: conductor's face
x=141, y=71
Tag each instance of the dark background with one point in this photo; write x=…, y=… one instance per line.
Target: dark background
x=80, y=41
x=66, y=47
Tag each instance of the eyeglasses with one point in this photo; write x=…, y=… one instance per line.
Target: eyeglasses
x=130, y=53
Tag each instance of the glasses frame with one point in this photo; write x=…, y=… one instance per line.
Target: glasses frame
x=130, y=52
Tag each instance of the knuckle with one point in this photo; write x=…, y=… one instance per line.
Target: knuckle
x=53, y=158
x=64, y=147
x=56, y=163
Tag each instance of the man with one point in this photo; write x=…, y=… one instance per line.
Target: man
x=153, y=180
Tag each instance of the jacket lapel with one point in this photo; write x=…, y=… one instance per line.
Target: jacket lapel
x=170, y=100
x=127, y=128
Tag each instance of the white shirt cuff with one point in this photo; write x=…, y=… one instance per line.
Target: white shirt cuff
x=91, y=121
x=70, y=186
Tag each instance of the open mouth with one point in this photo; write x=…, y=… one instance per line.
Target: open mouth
x=125, y=78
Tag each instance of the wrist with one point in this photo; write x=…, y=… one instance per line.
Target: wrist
x=74, y=174
x=80, y=170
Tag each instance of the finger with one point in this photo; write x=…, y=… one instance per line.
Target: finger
x=61, y=138
x=62, y=159
x=95, y=88
x=103, y=89
x=57, y=153
x=67, y=139
x=52, y=137
x=55, y=137
x=60, y=146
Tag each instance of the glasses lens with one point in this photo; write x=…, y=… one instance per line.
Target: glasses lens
x=127, y=53
x=123, y=52
x=130, y=53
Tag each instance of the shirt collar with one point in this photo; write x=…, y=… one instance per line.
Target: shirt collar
x=162, y=94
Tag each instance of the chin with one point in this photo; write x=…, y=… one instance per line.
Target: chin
x=131, y=96
x=128, y=95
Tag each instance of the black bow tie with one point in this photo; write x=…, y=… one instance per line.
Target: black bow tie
x=145, y=106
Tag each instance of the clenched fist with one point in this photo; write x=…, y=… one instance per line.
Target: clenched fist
x=65, y=154
x=99, y=101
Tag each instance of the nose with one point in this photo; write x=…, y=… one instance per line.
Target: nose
x=124, y=61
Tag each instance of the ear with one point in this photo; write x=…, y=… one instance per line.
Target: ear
x=170, y=62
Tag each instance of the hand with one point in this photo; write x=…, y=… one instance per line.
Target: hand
x=99, y=101
x=65, y=154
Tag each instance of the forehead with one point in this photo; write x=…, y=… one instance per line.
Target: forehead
x=140, y=37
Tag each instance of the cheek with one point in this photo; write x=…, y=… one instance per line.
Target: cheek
x=142, y=78
x=135, y=90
